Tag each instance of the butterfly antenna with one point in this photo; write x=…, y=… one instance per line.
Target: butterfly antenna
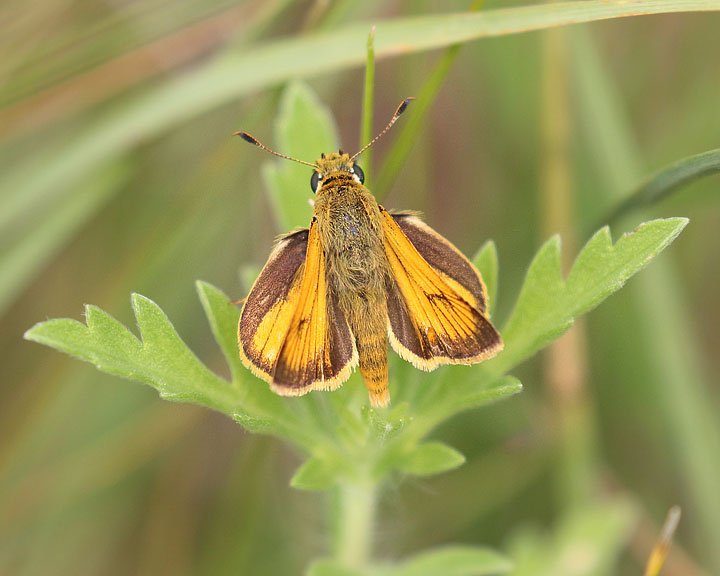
x=252, y=140
x=400, y=110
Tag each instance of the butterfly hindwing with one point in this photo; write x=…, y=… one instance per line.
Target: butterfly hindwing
x=436, y=299
x=318, y=351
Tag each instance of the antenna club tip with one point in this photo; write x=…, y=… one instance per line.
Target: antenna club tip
x=245, y=136
x=403, y=105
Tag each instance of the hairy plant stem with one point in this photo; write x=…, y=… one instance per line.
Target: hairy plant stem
x=355, y=523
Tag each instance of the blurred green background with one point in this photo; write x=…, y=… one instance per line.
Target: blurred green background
x=118, y=174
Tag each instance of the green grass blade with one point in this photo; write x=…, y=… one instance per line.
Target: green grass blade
x=412, y=127
x=247, y=71
x=669, y=180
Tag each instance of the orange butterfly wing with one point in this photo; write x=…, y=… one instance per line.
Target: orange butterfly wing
x=291, y=332
x=437, y=301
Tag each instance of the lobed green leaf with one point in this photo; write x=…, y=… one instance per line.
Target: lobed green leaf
x=160, y=359
x=548, y=305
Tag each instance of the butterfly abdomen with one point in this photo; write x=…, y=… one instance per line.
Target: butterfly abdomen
x=367, y=317
x=374, y=368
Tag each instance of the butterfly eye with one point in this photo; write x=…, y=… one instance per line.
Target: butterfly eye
x=315, y=181
x=359, y=173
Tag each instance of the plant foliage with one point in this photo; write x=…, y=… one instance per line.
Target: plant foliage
x=344, y=440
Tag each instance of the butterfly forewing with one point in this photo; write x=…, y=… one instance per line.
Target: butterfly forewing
x=318, y=351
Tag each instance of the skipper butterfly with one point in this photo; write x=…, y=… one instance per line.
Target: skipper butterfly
x=331, y=296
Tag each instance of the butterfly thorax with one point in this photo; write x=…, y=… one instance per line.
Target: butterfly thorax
x=348, y=219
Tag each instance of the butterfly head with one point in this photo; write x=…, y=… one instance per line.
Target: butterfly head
x=335, y=163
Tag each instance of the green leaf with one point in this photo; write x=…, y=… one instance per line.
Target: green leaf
x=161, y=359
x=304, y=130
x=546, y=308
x=455, y=561
x=430, y=458
x=469, y=395
x=449, y=396
x=223, y=318
x=548, y=305
x=486, y=261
